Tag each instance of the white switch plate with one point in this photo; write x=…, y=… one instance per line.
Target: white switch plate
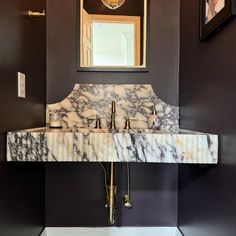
x=21, y=85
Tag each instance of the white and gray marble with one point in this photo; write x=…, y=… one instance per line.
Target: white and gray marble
x=88, y=100
x=91, y=145
x=78, y=142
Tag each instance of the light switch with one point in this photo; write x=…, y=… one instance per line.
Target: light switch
x=21, y=85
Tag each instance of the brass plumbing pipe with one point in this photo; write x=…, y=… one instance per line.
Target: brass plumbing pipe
x=111, y=195
x=36, y=14
x=111, y=188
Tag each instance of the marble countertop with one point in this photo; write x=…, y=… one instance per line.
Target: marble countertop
x=106, y=130
x=104, y=145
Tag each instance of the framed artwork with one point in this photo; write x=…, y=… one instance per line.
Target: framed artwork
x=213, y=13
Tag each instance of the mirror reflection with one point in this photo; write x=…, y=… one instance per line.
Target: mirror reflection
x=113, y=33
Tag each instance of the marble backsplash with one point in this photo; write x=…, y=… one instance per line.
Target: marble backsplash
x=86, y=101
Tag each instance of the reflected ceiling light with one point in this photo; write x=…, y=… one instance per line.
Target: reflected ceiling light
x=113, y=4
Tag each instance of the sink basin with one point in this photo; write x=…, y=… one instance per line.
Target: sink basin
x=104, y=145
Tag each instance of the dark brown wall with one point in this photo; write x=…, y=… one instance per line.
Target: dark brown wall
x=22, y=199
x=207, y=94
x=22, y=49
x=75, y=193
x=61, y=52
x=129, y=8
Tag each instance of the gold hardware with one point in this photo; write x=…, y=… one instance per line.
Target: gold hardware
x=113, y=115
x=154, y=110
x=36, y=14
x=127, y=123
x=113, y=125
x=98, y=123
x=111, y=192
x=127, y=201
x=113, y=107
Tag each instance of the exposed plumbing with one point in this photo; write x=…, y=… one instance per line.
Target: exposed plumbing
x=111, y=187
x=111, y=195
x=105, y=178
x=110, y=182
x=127, y=198
x=111, y=190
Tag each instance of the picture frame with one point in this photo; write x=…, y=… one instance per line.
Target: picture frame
x=213, y=13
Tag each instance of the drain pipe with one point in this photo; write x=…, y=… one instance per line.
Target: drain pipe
x=111, y=195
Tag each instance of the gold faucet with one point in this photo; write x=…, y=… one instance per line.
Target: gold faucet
x=113, y=115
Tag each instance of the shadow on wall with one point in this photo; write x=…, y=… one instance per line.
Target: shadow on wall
x=207, y=196
x=22, y=49
x=3, y=146
x=21, y=199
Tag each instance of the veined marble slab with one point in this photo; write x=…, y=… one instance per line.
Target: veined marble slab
x=91, y=145
x=88, y=100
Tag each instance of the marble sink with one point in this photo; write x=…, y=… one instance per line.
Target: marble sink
x=104, y=145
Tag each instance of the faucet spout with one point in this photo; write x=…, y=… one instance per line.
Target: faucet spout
x=113, y=115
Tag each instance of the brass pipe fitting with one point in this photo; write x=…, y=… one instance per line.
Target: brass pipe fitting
x=36, y=14
x=111, y=198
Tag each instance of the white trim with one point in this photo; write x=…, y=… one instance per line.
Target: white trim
x=178, y=233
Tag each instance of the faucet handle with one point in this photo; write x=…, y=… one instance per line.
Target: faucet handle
x=127, y=123
x=98, y=122
x=95, y=119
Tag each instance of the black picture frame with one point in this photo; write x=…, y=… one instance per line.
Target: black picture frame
x=207, y=29
x=113, y=69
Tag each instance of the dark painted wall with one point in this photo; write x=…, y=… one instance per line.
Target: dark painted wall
x=207, y=94
x=129, y=8
x=22, y=199
x=22, y=49
x=61, y=52
x=75, y=193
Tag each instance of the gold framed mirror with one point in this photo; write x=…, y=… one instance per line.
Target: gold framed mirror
x=112, y=39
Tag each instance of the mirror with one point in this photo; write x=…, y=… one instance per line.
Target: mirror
x=112, y=39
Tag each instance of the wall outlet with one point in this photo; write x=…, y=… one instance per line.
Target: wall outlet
x=21, y=85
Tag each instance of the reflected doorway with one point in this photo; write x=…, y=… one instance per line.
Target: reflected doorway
x=110, y=40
